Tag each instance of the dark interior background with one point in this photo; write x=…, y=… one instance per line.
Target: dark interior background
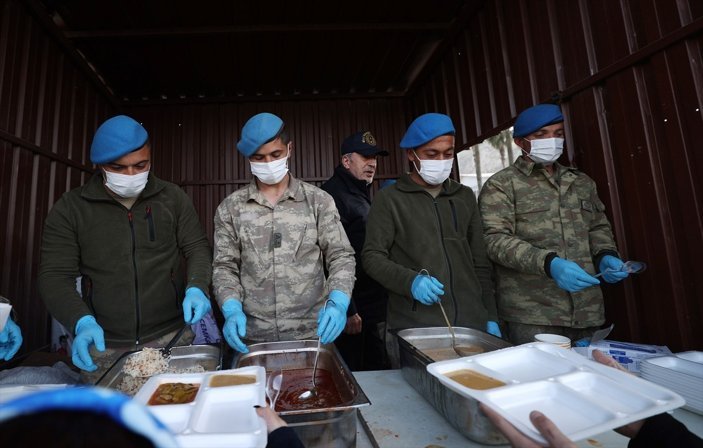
x=628, y=74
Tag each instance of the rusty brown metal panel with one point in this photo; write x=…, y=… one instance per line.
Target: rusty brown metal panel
x=48, y=112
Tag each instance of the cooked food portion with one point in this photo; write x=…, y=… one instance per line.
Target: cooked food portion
x=297, y=381
x=140, y=366
x=174, y=393
x=147, y=362
x=443, y=354
x=473, y=379
x=231, y=380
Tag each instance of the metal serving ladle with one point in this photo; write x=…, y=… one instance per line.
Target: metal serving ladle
x=313, y=391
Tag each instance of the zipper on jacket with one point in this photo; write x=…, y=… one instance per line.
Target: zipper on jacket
x=449, y=265
x=136, y=278
x=150, y=223
x=454, y=218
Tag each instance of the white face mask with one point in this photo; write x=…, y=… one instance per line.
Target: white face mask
x=546, y=150
x=124, y=185
x=434, y=172
x=271, y=173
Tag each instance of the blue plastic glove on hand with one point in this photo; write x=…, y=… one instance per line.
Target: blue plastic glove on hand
x=493, y=328
x=583, y=342
x=235, y=326
x=88, y=332
x=611, y=267
x=195, y=305
x=426, y=289
x=333, y=317
x=569, y=276
x=10, y=340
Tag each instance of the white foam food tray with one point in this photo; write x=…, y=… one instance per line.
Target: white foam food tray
x=580, y=396
x=693, y=355
x=218, y=416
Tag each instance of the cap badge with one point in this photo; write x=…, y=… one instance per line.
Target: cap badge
x=368, y=138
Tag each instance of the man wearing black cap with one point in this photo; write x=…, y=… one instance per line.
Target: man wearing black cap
x=361, y=345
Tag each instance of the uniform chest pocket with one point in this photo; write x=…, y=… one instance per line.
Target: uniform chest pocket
x=530, y=211
x=307, y=241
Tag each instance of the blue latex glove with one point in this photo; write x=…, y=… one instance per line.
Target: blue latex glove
x=195, y=305
x=569, y=276
x=426, y=289
x=583, y=342
x=610, y=267
x=333, y=317
x=10, y=340
x=88, y=332
x=235, y=325
x=493, y=328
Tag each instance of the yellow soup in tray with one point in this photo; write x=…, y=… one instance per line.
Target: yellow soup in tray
x=473, y=379
x=174, y=393
x=231, y=380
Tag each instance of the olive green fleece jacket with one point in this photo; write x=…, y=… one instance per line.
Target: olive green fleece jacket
x=129, y=260
x=408, y=230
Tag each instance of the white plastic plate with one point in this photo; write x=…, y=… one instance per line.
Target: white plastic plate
x=693, y=355
x=5, y=309
x=218, y=416
x=580, y=396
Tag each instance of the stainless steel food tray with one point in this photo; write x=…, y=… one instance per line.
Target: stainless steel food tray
x=182, y=357
x=328, y=427
x=460, y=411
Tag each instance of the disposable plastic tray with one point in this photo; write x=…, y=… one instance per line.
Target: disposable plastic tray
x=581, y=397
x=221, y=416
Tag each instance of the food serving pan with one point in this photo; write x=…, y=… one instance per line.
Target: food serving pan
x=417, y=345
x=332, y=426
x=209, y=357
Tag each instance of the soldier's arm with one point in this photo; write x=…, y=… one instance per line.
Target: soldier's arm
x=335, y=246
x=600, y=233
x=194, y=245
x=480, y=258
x=225, y=265
x=504, y=247
x=380, y=236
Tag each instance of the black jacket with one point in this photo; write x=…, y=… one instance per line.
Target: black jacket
x=351, y=196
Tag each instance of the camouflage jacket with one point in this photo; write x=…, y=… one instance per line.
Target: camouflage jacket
x=528, y=215
x=274, y=258
x=408, y=230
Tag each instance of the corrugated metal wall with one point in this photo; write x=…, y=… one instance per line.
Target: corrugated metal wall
x=48, y=112
x=194, y=145
x=630, y=74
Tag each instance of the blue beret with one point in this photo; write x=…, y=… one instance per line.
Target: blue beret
x=425, y=128
x=116, y=137
x=535, y=118
x=258, y=130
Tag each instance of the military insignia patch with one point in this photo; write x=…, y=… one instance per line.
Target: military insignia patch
x=587, y=205
x=368, y=138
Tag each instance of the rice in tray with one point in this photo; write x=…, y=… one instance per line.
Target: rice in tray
x=148, y=362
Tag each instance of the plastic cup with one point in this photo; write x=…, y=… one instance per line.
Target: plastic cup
x=4, y=314
x=555, y=339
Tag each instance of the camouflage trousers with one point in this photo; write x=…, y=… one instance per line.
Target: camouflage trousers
x=104, y=360
x=523, y=333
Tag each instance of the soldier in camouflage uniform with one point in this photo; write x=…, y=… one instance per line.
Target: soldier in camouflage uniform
x=274, y=239
x=546, y=231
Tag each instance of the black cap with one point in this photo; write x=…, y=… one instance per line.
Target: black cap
x=364, y=143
